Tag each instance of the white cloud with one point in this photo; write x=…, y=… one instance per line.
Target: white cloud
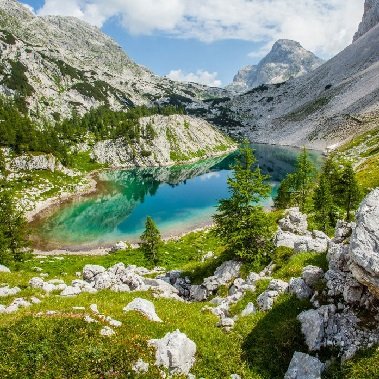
x=323, y=26
x=200, y=76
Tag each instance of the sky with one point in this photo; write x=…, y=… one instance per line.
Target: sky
x=208, y=41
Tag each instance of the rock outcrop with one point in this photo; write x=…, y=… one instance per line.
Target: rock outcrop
x=176, y=352
x=304, y=366
x=364, y=245
x=293, y=234
x=176, y=138
x=351, y=286
x=370, y=18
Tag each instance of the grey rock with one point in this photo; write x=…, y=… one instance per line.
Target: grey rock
x=145, y=307
x=364, y=244
x=198, y=293
x=298, y=287
x=140, y=367
x=343, y=231
x=294, y=222
x=4, y=269
x=36, y=283
x=7, y=291
x=278, y=285
x=304, y=366
x=91, y=271
x=249, y=310
x=312, y=275
x=226, y=323
x=224, y=274
x=370, y=18
x=106, y=331
x=176, y=352
x=312, y=326
x=266, y=300
x=71, y=291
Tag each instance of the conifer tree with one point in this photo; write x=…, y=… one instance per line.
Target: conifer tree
x=324, y=204
x=151, y=241
x=348, y=193
x=13, y=230
x=241, y=222
x=296, y=188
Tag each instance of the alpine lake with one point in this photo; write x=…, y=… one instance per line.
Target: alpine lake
x=179, y=199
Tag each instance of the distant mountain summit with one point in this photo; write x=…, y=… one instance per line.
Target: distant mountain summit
x=370, y=18
x=287, y=59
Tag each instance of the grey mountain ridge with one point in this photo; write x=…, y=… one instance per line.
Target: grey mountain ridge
x=287, y=59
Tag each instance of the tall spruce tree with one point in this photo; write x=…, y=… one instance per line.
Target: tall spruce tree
x=13, y=230
x=348, y=192
x=324, y=204
x=240, y=222
x=151, y=241
x=296, y=188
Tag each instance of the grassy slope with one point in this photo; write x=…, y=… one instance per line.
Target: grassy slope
x=364, y=152
x=64, y=346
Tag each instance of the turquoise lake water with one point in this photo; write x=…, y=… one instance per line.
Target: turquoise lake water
x=178, y=198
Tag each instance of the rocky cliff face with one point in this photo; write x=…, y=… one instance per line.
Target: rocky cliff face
x=287, y=59
x=172, y=139
x=370, y=18
x=57, y=64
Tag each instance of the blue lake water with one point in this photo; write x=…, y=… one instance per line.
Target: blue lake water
x=178, y=198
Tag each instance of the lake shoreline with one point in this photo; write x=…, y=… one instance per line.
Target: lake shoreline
x=44, y=208
x=108, y=249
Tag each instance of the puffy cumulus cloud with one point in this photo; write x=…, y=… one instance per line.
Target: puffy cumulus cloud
x=200, y=76
x=323, y=26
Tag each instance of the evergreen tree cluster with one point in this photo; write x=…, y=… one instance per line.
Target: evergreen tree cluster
x=331, y=195
x=22, y=135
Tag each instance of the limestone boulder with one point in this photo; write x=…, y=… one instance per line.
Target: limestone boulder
x=364, y=244
x=145, y=307
x=175, y=352
x=294, y=222
x=304, y=366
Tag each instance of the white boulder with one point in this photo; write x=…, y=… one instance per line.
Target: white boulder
x=176, y=352
x=145, y=307
x=4, y=269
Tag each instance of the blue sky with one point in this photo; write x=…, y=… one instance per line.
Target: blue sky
x=209, y=40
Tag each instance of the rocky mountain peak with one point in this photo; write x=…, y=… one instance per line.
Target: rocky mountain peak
x=370, y=18
x=287, y=59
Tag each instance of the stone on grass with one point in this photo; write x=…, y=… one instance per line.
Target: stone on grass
x=235, y=376
x=278, y=285
x=312, y=275
x=226, y=323
x=312, y=326
x=304, y=366
x=298, y=287
x=266, y=300
x=145, y=307
x=198, y=293
x=140, y=367
x=48, y=287
x=35, y=300
x=7, y=291
x=36, y=283
x=2, y=308
x=91, y=271
x=94, y=309
x=4, y=269
x=89, y=319
x=249, y=309
x=71, y=291
x=294, y=222
x=107, y=331
x=176, y=352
